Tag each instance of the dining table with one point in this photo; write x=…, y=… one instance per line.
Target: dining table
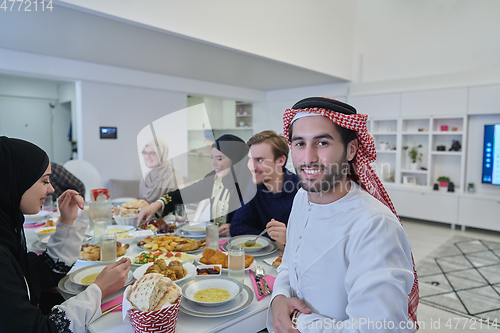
x=250, y=319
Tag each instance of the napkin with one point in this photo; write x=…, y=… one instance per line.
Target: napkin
x=111, y=303
x=221, y=242
x=270, y=281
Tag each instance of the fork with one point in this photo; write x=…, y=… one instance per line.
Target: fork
x=261, y=273
x=257, y=280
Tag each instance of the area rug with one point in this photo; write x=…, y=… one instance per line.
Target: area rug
x=463, y=276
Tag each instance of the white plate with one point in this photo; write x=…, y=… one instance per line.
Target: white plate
x=191, y=270
x=65, y=285
x=193, y=229
x=180, y=232
x=270, y=261
x=28, y=219
x=252, y=265
x=271, y=248
x=189, y=259
x=237, y=240
x=77, y=276
x=201, y=282
x=239, y=303
x=68, y=287
x=127, y=253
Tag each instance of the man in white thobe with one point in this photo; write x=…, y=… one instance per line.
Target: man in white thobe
x=347, y=265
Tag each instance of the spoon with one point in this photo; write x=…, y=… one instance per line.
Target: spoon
x=251, y=242
x=261, y=273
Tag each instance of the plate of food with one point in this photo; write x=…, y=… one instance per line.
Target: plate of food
x=216, y=257
x=92, y=252
x=208, y=291
x=174, y=270
x=147, y=257
x=128, y=212
x=86, y=276
x=239, y=303
x=196, y=230
x=262, y=251
x=34, y=218
x=260, y=242
x=168, y=242
x=158, y=225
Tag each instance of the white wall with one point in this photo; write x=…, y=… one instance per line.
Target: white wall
x=315, y=34
x=130, y=109
x=25, y=114
x=397, y=39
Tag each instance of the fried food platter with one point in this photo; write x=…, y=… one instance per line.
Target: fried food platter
x=216, y=257
x=92, y=252
x=168, y=242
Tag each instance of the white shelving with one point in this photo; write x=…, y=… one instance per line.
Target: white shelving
x=394, y=166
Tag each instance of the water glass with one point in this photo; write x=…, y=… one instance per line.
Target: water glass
x=48, y=204
x=236, y=262
x=108, y=248
x=212, y=236
x=100, y=226
x=180, y=213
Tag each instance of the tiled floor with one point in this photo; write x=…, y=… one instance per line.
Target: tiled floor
x=425, y=237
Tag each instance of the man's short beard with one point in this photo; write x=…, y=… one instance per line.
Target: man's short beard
x=334, y=175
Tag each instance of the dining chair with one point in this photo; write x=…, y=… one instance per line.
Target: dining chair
x=87, y=173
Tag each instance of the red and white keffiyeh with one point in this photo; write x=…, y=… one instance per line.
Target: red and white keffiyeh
x=365, y=155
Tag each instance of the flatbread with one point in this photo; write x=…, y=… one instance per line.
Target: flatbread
x=171, y=295
x=148, y=291
x=135, y=203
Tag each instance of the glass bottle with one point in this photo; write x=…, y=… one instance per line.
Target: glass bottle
x=100, y=206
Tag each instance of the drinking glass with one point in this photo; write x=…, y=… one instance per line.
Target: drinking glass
x=180, y=213
x=100, y=225
x=48, y=204
x=236, y=262
x=212, y=236
x=108, y=248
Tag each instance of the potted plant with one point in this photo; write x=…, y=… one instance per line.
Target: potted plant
x=414, y=155
x=443, y=181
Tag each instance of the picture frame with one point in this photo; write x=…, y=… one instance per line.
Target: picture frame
x=409, y=180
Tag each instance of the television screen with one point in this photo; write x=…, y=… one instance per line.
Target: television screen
x=491, y=154
x=108, y=132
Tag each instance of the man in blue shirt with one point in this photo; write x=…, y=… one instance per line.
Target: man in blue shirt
x=276, y=188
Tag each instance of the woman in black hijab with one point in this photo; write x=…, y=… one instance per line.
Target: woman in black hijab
x=227, y=186
x=24, y=184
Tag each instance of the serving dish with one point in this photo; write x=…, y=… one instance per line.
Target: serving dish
x=195, y=230
x=264, y=242
x=239, y=303
x=191, y=270
x=271, y=248
x=198, y=283
x=44, y=232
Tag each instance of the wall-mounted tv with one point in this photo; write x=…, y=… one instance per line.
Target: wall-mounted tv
x=491, y=155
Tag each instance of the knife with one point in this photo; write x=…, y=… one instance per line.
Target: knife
x=257, y=280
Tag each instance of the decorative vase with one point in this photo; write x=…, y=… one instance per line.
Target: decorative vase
x=443, y=184
x=414, y=166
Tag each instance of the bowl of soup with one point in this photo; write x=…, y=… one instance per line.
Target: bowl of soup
x=87, y=275
x=211, y=291
x=260, y=243
x=44, y=232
